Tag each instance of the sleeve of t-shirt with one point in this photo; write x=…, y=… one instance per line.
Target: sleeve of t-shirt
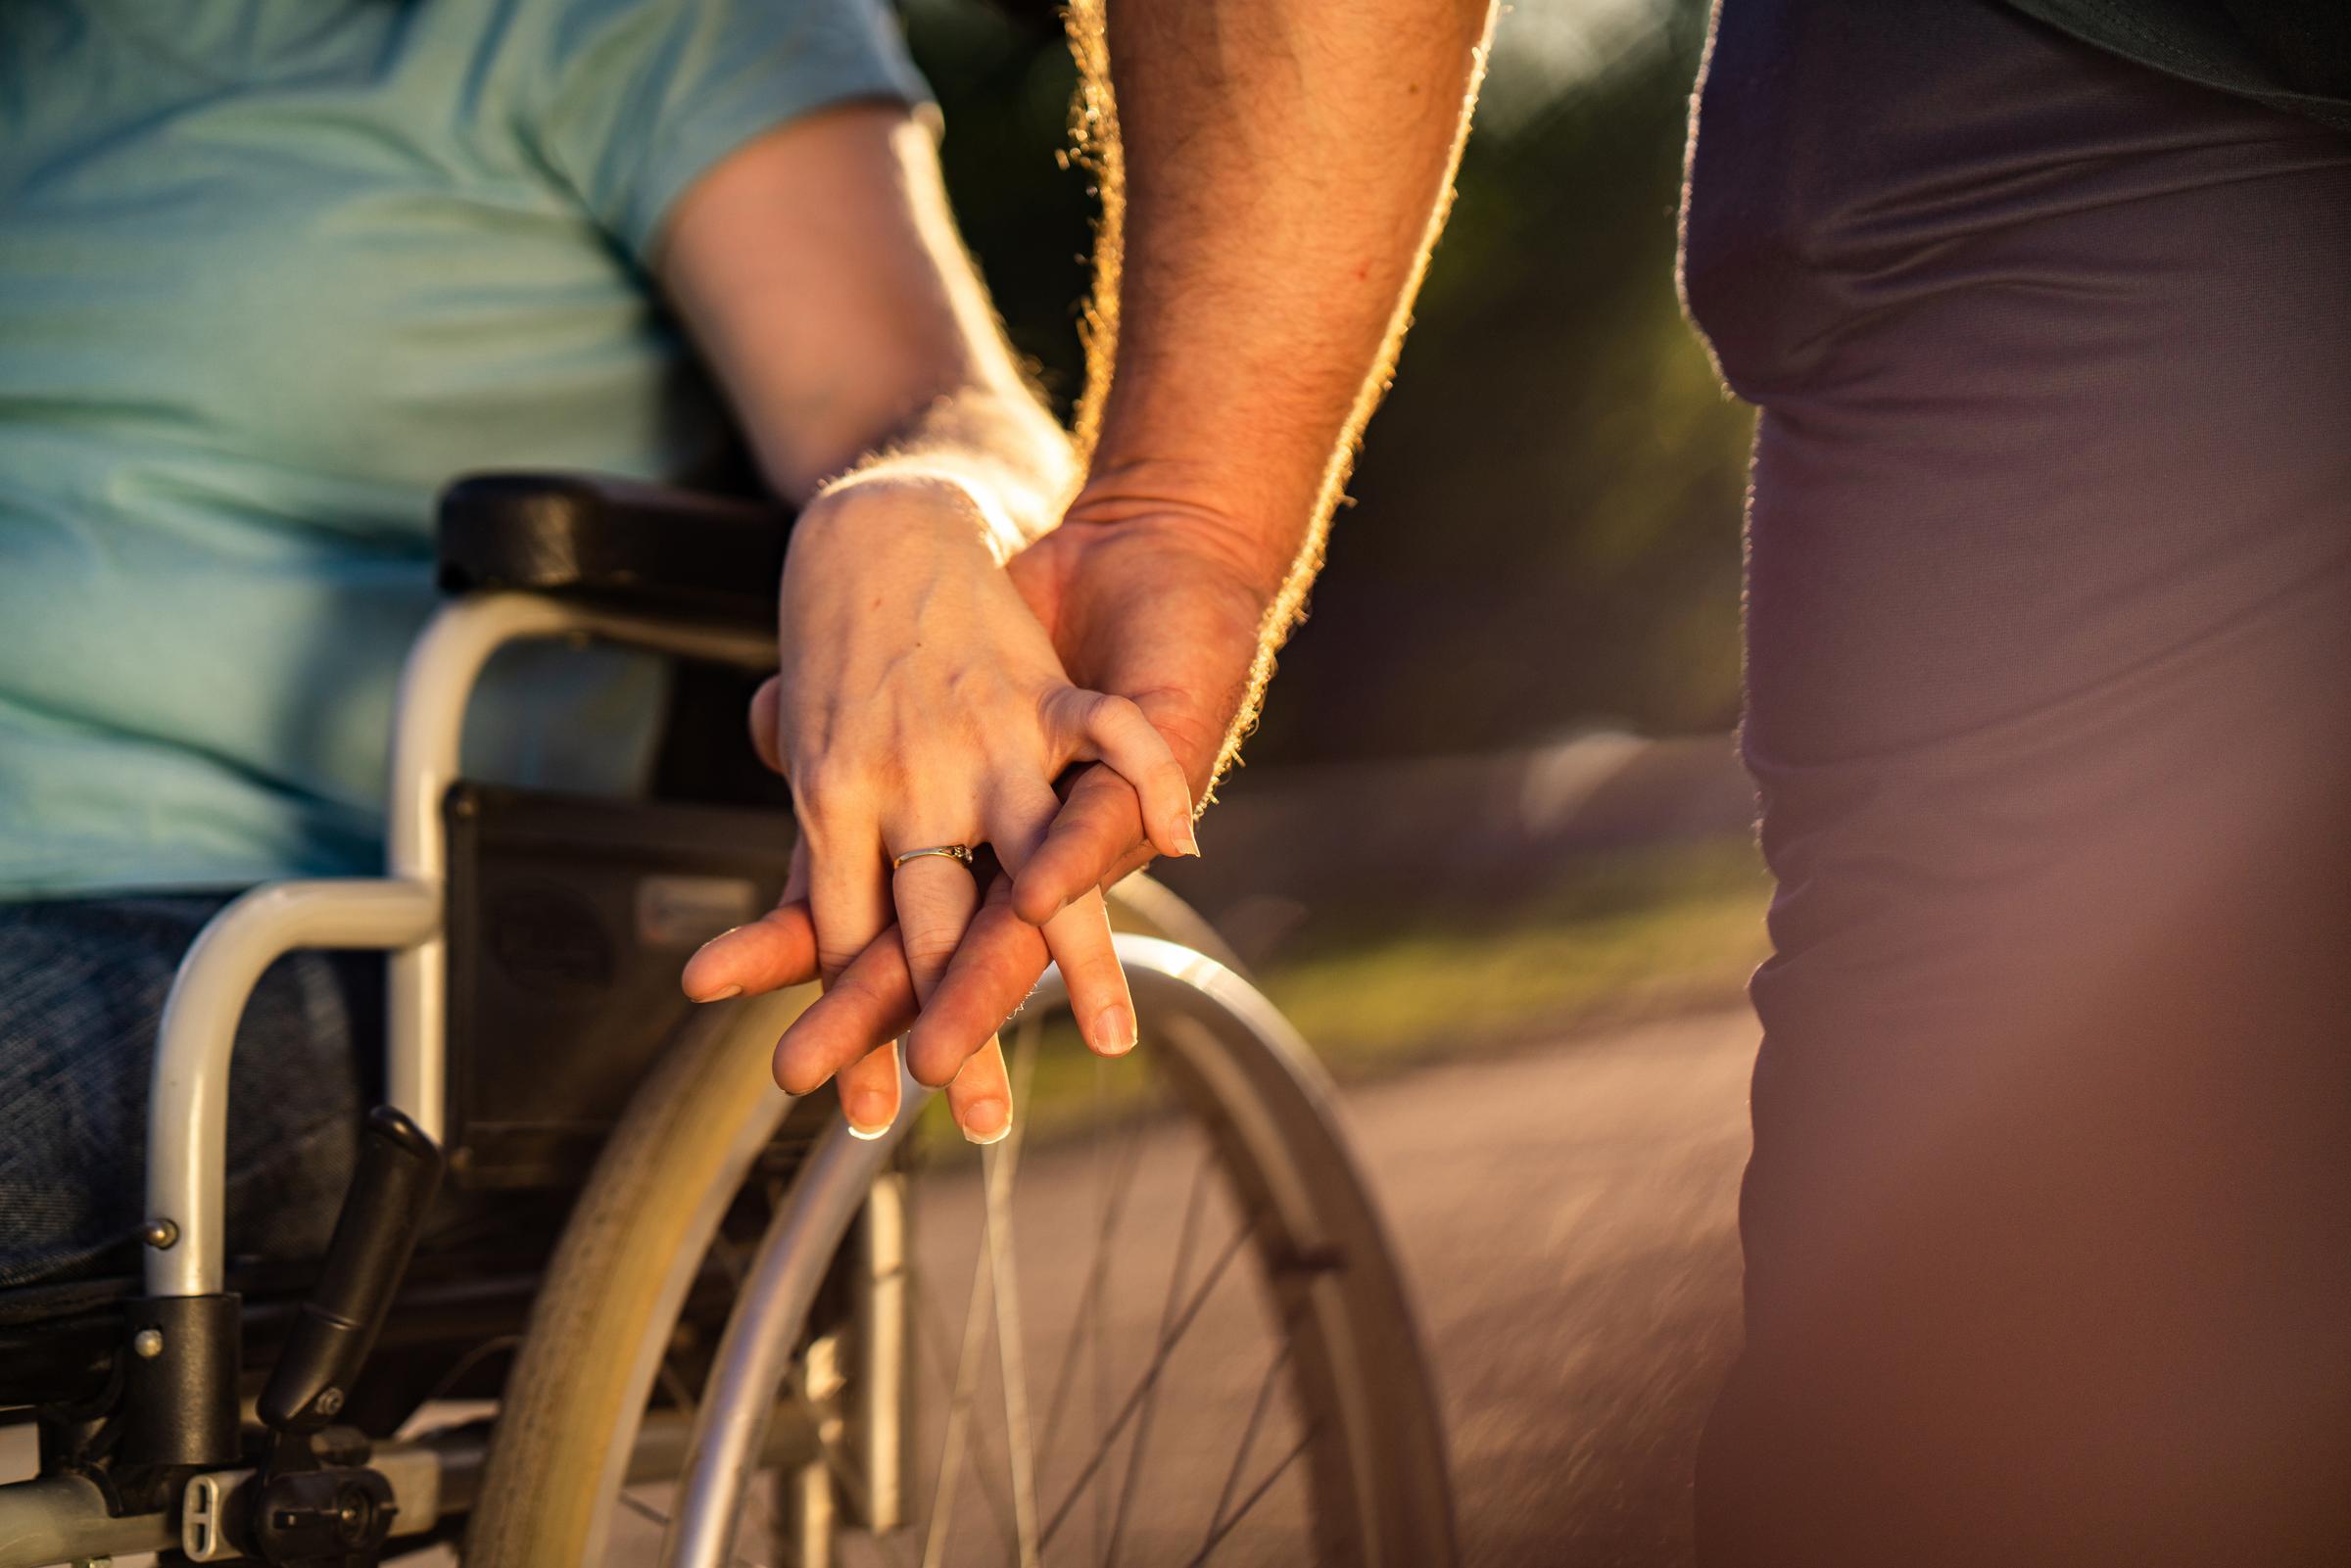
x=636, y=98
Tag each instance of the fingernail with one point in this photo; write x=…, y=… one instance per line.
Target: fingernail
x=1186, y=839
x=1113, y=1030
x=716, y=940
x=869, y=1115
x=986, y=1120
x=722, y=994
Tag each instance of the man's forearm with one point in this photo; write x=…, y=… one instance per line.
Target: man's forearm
x=1273, y=173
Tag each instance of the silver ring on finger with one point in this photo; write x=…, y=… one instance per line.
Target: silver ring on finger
x=961, y=852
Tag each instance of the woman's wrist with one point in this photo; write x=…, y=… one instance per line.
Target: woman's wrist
x=876, y=509
x=991, y=455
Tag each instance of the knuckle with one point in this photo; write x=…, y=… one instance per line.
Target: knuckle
x=1115, y=712
x=929, y=950
x=826, y=786
x=1063, y=712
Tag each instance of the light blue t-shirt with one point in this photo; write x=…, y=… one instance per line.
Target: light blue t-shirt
x=271, y=272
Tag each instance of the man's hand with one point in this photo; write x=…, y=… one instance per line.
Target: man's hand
x=1168, y=612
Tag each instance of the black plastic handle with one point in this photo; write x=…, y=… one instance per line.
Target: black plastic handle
x=383, y=1212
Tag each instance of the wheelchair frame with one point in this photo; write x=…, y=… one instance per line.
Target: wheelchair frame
x=181, y=1373
x=402, y=913
x=182, y=1434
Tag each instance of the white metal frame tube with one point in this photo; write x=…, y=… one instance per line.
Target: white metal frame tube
x=188, y=1107
x=187, y=1112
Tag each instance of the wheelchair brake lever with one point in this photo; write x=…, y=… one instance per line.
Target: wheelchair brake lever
x=383, y=1212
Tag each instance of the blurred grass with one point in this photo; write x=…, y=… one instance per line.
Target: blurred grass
x=1628, y=935
x=1618, y=937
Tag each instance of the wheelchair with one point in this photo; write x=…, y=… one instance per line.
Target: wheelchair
x=682, y=1318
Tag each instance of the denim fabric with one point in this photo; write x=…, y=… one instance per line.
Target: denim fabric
x=82, y=985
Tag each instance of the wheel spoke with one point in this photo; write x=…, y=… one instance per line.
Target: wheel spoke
x=1240, y=1458
x=1256, y=1493
x=673, y=1383
x=930, y=1342
x=467, y=1363
x=1186, y=1234
x=959, y=1410
x=1159, y=1361
x=1098, y=1322
x=1025, y=1490
x=999, y=1164
x=1089, y=1295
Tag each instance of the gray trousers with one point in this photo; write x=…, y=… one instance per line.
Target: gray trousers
x=2048, y=1221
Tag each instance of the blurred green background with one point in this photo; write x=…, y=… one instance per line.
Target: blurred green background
x=1545, y=524
x=1543, y=543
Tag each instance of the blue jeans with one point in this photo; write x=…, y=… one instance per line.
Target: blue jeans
x=83, y=983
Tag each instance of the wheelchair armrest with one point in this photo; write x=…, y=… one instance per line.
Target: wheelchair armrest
x=619, y=544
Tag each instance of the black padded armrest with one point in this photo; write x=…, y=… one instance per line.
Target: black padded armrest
x=622, y=545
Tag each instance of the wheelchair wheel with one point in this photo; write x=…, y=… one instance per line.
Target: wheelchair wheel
x=1158, y=1325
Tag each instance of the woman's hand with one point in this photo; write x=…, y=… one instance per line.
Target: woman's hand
x=919, y=703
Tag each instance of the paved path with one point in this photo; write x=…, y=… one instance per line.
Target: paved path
x=1568, y=1217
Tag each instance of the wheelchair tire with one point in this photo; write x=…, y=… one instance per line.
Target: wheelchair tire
x=609, y=1305
x=1369, y=1481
